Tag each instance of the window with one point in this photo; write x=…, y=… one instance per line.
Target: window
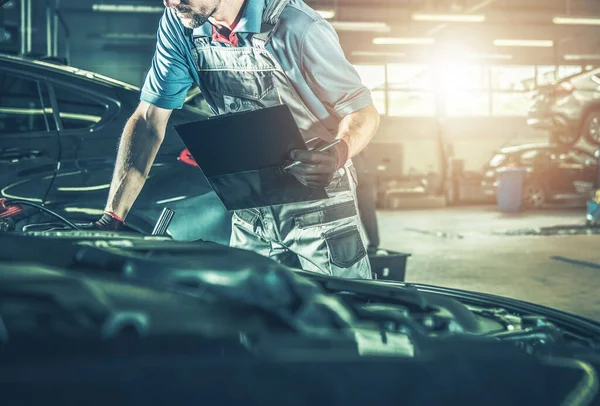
x=513, y=78
x=410, y=90
x=568, y=70
x=373, y=77
x=409, y=77
x=512, y=87
x=21, y=108
x=411, y=104
x=546, y=75
x=465, y=89
x=511, y=104
x=468, y=103
x=78, y=110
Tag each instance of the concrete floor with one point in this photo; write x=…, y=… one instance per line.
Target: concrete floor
x=462, y=248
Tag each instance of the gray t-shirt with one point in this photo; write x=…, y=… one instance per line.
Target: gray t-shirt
x=305, y=45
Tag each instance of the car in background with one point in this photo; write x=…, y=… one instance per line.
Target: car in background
x=552, y=173
x=59, y=131
x=569, y=109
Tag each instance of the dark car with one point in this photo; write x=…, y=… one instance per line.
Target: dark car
x=129, y=320
x=59, y=131
x=569, y=109
x=552, y=173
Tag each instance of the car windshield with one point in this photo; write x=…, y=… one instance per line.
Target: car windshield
x=304, y=182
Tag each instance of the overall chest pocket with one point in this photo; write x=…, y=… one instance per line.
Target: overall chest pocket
x=240, y=90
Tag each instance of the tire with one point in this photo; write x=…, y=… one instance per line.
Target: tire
x=534, y=195
x=591, y=128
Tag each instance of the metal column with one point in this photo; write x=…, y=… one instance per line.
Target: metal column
x=48, y=29
x=29, y=28
x=55, y=33
x=23, y=35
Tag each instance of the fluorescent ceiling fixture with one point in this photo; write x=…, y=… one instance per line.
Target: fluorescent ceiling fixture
x=523, y=43
x=490, y=56
x=327, y=14
x=576, y=20
x=371, y=53
x=581, y=57
x=361, y=26
x=450, y=18
x=403, y=41
x=127, y=8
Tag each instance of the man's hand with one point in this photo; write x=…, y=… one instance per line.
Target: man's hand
x=317, y=168
x=107, y=222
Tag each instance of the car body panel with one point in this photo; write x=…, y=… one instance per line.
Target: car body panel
x=565, y=112
x=87, y=155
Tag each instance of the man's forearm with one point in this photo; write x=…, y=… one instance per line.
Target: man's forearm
x=358, y=128
x=137, y=150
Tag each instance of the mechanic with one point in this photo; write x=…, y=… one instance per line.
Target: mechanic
x=252, y=54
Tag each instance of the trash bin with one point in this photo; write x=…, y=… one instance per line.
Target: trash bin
x=509, y=194
x=389, y=265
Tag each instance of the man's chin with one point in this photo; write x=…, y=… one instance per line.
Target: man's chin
x=188, y=22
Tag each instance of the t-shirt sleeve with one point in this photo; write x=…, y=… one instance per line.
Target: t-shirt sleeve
x=329, y=74
x=169, y=77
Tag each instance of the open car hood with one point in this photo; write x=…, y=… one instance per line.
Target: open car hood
x=89, y=305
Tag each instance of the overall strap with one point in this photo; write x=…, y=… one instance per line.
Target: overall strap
x=270, y=22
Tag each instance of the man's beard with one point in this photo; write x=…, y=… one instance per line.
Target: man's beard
x=191, y=19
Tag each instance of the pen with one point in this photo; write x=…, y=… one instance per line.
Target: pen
x=321, y=149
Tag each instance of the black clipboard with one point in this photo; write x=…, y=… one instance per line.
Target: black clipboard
x=242, y=156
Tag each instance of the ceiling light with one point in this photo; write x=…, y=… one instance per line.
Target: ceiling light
x=403, y=41
x=327, y=14
x=360, y=26
x=576, y=20
x=490, y=56
x=450, y=18
x=581, y=57
x=372, y=53
x=523, y=43
x=127, y=8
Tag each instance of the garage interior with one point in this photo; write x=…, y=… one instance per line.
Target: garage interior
x=454, y=82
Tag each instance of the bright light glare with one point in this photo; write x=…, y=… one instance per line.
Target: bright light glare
x=505, y=57
x=327, y=14
x=576, y=20
x=523, y=43
x=456, y=74
x=450, y=18
x=403, y=41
